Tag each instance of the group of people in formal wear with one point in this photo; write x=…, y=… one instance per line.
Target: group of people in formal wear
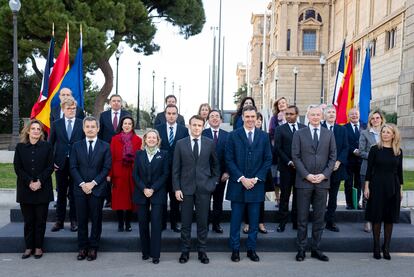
x=194, y=166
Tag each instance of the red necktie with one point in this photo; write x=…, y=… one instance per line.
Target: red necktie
x=115, y=121
x=215, y=138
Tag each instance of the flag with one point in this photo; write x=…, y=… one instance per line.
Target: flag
x=60, y=68
x=339, y=76
x=365, y=90
x=345, y=98
x=44, y=90
x=73, y=79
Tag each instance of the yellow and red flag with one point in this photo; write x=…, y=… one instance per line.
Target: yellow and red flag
x=345, y=100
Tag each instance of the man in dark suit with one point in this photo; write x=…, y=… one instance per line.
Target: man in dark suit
x=196, y=171
x=314, y=156
x=56, y=112
x=283, y=147
x=108, y=123
x=170, y=132
x=339, y=171
x=64, y=133
x=353, y=168
x=248, y=159
x=219, y=136
x=90, y=162
x=161, y=117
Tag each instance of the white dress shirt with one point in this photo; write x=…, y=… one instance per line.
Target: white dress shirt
x=198, y=142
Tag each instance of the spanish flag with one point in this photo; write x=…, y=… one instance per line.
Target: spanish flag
x=345, y=100
x=41, y=109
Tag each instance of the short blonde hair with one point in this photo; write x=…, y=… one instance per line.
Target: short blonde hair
x=396, y=141
x=70, y=101
x=145, y=137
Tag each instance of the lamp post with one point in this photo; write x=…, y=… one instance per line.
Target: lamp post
x=295, y=72
x=165, y=88
x=179, y=97
x=137, y=126
x=172, y=88
x=322, y=61
x=118, y=54
x=153, y=90
x=15, y=6
x=276, y=79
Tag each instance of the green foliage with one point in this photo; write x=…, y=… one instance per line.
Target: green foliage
x=391, y=117
x=240, y=94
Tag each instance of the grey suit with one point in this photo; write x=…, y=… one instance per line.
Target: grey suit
x=366, y=140
x=197, y=179
x=309, y=159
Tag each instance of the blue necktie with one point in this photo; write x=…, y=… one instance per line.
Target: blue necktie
x=171, y=136
x=356, y=130
x=69, y=130
x=90, y=151
x=250, y=137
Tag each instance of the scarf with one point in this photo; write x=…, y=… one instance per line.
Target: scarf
x=151, y=150
x=128, y=154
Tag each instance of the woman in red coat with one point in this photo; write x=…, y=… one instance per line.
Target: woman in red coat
x=124, y=145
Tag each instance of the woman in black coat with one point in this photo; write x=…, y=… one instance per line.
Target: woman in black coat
x=383, y=187
x=33, y=164
x=151, y=170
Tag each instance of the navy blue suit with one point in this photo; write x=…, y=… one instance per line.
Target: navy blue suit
x=250, y=161
x=89, y=206
x=340, y=174
x=62, y=146
x=218, y=194
x=106, y=129
x=152, y=175
x=181, y=132
x=55, y=113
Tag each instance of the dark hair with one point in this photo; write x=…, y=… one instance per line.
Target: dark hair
x=240, y=109
x=119, y=129
x=294, y=107
x=249, y=108
x=171, y=106
x=259, y=116
x=115, y=95
x=170, y=96
x=276, y=105
x=90, y=118
x=216, y=111
x=195, y=117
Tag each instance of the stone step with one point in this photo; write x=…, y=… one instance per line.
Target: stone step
x=351, y=238
x=271, y=214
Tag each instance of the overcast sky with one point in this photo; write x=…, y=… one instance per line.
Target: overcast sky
x=186, y=62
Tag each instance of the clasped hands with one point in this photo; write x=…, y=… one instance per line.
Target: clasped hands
x=87, y=187
x=248, y=183
x=148, y=192
x=35, y=185
x=315, y=178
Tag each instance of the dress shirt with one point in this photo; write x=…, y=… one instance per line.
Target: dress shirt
x=113, y=115
x=353, y=126
x=295, y=124
x=198, y=142
x=212, y=132
x=87, y=149
x=328, y=126
x=311, y=128
x=174, y=129
x=247, y=133
x=376, y=135
x=150, y=157
x=67, y=122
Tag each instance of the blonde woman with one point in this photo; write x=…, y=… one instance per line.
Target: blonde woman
x=383, y=187
x=203, y=111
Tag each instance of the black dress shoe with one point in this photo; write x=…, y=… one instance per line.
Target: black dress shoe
x=81, y=255
x=38, y=256
x=281, y=228
x=92, y=255
x=185, y=256
x=263, y=231
x=107, y=204
x=332, y=227
x=386, y=253
x=300, y=256
x=235, y=256
x=217, y=228
x=27, y=254
x=57, y=226
x=128, y=228
x=145, y=257
x=73, y=226
x=319, y=255
x=202, y=256
x=175, y=228
x=252, y=255
x=155, y=260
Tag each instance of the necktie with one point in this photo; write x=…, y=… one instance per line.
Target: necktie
x=115, y=121
x=250, y=137
x=293, y=128
x=315, y=137
x=215, y=138
x=90, y=151
x=356, y=130
x=195, y=149
x=331, y=128
x=69, y=129
x=171, y=136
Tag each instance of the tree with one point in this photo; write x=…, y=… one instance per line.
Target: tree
x=240, y=94
x=105, y=23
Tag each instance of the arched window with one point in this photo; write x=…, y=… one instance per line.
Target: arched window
x=310, y=13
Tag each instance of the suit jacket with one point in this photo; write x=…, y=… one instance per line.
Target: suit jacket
x=106, y=129
x=61, y=144
x=353, y=143
x=152, y=175
x=283, y=143
x=160, y=119
x=190, y=175
x=309, y=159
x=220, y=146
x=342, y=150
x=250, y=161
x=83, y=170
x=181, y=132
x=55, y=113
x=366, y=141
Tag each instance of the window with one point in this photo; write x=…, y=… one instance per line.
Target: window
x=288, y=40
x=319, y=18
x=333, y=68
x=390, y=39
x=373, y=47
x=357, y=56
x=309, y=40
x=310, y=14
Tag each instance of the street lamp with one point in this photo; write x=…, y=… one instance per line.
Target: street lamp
x=118, y=54
x=172, y=88
x=15, y=7
x=165, y=88
x=137, y=126
x=153, y=90
x=322, y=61
x=276, y=79
x=295, y=72
x=179, y=97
